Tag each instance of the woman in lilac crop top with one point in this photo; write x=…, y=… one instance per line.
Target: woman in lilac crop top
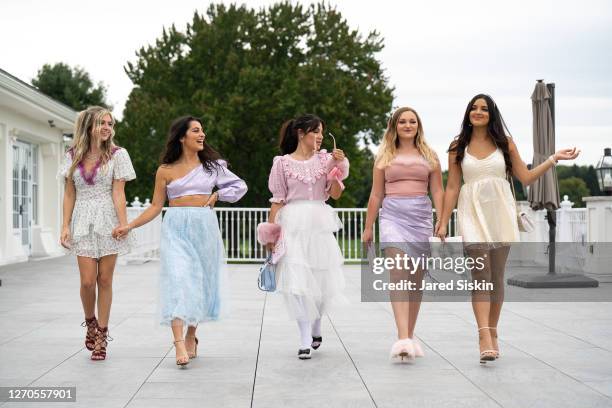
x=406, y=168
x=309, y=272
x=192, y=275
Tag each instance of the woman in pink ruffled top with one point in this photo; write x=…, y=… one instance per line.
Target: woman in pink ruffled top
x=309, y=272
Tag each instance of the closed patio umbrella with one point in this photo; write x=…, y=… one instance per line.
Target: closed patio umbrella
x=544, y=193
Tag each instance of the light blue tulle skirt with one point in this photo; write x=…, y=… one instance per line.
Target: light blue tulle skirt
x=192, y=277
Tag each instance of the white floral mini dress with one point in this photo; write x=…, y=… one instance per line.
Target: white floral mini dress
x=94, y=215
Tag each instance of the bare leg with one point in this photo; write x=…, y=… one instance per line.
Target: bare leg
x=499, y=256
x=106, y=268
x=179, y=343
x=399, y=298
x=191, y=341
x=415, y=297
x=88, y=269
x=481, y=299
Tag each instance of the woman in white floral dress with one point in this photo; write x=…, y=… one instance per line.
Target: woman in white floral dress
x=95, y=170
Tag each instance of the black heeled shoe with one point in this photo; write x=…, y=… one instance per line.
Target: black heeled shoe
x=316, y=342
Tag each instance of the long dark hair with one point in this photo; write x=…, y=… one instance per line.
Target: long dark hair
x=289, y=131
x=174, y=148
x=497, y=130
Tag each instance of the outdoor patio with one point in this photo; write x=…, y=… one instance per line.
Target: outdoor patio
x=553, y=354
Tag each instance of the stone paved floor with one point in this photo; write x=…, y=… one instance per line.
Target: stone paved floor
x=553, y=354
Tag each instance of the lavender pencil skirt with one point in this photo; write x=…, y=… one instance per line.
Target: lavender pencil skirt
x=406, y=224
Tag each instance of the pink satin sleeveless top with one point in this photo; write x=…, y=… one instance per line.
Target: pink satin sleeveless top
x=407, y=176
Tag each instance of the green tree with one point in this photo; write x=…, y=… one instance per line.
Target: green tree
x=72, y=86
x=245, y=72
x=575, y=188
x=586, y=173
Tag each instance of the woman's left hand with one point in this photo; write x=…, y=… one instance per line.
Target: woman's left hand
x=338, y=155
x=212, y=200
x=566, y=154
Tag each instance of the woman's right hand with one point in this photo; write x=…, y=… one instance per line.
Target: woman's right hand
x=65, y=237
x=367, y=236
x=121, y=231
x=270, y=246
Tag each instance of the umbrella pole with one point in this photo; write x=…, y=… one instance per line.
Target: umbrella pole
x=552, y=279
x=551, y=216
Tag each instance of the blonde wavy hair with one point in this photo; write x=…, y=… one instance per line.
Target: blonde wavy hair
x=88, y=123
x=388, y=148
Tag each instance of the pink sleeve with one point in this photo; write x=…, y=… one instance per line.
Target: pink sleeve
x=343, y=166
x=277, y=182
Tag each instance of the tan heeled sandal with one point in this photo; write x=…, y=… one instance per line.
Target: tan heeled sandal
x=195, y=349
x=180, y=360
x=496, y=343
x=486, y=355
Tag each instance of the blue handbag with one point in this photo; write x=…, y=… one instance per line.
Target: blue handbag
x=267, y=276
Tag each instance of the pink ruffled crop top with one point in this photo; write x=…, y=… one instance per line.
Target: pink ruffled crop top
x=407, y=176
x=292, y=179
x=231, y=188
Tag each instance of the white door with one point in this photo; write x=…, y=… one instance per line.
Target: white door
x=22, y=193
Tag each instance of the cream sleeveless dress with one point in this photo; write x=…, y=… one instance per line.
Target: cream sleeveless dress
x=486, y=210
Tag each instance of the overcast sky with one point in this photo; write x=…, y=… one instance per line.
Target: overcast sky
x=437, y=55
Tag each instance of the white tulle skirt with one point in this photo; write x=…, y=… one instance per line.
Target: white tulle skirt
x=309, y=274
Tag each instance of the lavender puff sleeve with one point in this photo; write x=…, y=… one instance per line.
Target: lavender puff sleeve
x=231, y=188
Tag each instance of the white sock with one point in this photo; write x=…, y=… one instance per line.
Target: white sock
x=316, y=328
x=305, y=337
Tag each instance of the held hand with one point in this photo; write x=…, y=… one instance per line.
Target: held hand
x=367, y=236
x=440, y=231
x=270, y=246
x=338, y=155
x=65, y=237
x=121, y=232
x=566, y=154
x=212, y=200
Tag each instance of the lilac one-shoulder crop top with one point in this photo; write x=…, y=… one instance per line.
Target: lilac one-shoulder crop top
x=231, y=188
x=407, y=176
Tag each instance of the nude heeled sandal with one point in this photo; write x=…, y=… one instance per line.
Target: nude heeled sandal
x=486, y=355
x=195, y=349
x=179, y=360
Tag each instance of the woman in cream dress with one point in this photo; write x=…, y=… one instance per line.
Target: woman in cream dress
x=484, y=155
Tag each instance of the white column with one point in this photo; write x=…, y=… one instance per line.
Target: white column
x=599, y=236
x=5, y=199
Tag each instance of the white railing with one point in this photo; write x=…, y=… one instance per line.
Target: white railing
x=572, y=227
x=238, y=228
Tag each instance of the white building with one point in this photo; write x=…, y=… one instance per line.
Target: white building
x=32, y=128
